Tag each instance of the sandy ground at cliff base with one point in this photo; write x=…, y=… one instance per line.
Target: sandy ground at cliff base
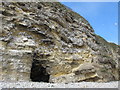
x=113, y=84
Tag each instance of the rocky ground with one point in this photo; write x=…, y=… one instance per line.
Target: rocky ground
x=56, y=85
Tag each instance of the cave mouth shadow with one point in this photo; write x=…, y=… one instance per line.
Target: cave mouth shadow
x=38, y=72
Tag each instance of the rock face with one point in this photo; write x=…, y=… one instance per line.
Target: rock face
x=48, y=42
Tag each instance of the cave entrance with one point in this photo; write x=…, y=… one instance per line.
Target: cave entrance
x=38, y=72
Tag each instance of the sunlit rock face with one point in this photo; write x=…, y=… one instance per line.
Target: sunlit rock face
x=48, y=42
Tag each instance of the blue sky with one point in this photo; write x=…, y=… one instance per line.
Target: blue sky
x=102, y=16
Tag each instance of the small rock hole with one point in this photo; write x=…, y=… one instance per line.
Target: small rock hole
x=39, y=7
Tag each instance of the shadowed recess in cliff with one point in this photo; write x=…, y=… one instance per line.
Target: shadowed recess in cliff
x=38, y=72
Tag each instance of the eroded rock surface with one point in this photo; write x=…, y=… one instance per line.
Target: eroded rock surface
x=48, y=42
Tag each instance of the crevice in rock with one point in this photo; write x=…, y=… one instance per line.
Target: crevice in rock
x=38, y=72
x=92, y=79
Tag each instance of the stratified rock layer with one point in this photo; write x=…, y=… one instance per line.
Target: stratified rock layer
x=51, y=43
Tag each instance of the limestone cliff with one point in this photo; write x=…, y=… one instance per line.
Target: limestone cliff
x=43, y=41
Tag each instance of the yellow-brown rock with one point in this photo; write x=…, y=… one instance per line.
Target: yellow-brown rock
x=47, y=42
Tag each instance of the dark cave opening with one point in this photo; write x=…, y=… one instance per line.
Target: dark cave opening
x=38, y=72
